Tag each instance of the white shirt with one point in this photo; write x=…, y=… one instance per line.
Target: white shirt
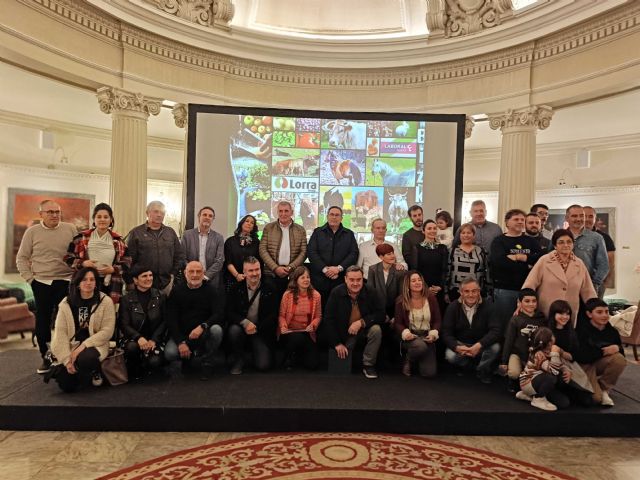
x=284, y=256
x=469, y=311
x=368, y=257
x=202, y=253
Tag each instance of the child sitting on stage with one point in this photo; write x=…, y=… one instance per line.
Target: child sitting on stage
x=600, y=352
x=539, y=377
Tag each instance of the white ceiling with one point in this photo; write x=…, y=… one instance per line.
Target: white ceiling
x=31, y=94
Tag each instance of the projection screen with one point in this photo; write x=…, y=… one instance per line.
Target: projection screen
x=245, y=160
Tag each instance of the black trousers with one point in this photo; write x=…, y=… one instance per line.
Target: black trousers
x=87, y=362
x=47, y=298
x=138, y=361
x=239, y=340
x=300, y=343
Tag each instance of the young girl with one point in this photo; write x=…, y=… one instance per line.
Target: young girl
x=539, y=377
x=445, y=228
x=559, y=321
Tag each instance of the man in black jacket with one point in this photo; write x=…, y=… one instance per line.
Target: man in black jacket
x=471, y=331
x=252, y=310
x=331, y=250
x=354, y=314
x=194, y=318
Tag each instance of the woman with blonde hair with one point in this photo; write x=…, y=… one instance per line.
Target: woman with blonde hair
x=300, y=314
x=417, y=321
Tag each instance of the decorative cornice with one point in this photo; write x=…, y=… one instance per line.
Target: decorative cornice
x=180, y=113
x=41, y=123
x=565, y=192
x=87, y=18
x=116, y=100
x=535, y=117
x=208, y=13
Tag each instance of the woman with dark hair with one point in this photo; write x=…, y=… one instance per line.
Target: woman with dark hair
x=560, y=275
x=101, y=248
x=142, y=321
x=84, y=325
x=467, y=260
x=445, y=228
x=417, y=321
x=242, y=244
x=559, y=317
x=300, y=313
x=433, y=262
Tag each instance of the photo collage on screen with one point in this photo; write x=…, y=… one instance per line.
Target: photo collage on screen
x=369, y=168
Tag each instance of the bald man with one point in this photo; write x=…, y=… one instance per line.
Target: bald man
x=195, y=320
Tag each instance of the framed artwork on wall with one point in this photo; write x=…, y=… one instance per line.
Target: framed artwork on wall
x=22, y=213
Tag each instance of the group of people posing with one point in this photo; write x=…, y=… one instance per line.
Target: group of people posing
x=466, y=297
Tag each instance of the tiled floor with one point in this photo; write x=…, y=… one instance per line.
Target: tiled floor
x=87, y=455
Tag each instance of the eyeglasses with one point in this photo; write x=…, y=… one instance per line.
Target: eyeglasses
x=52, y=212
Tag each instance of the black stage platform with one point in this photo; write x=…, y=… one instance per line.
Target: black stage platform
x=300, y=401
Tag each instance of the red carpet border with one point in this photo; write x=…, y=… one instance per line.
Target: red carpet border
x=301, y=456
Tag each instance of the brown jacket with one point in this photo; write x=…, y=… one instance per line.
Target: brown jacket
x=270, y=245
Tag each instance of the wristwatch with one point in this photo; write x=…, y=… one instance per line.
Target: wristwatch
x=204, y=326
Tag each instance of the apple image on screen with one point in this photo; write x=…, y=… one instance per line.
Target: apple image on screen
x=248, y=120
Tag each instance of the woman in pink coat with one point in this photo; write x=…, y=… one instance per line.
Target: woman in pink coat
x=560, y=275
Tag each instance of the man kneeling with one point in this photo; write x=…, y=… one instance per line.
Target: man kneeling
x=354, y=314
x=194, y=320
x=252, y=308
x=471, y=331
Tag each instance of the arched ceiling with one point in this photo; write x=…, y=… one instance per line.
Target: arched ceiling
x=346, y=33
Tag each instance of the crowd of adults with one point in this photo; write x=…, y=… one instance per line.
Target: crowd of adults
x=484, y=299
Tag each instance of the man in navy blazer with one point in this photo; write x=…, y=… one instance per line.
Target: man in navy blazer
x=206, y=246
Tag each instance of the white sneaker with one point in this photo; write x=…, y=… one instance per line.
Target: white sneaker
x=606, y=400
x=96, y=379
x=543, y=404
x=520, y=395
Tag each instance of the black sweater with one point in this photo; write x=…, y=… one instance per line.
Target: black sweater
x=520, y=329
x=592, y=340
x=566, y=339
x=509, y=274
x=189, y=307
x=485, y=327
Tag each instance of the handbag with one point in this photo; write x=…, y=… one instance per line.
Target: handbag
x=114, y=367
x=579, y=379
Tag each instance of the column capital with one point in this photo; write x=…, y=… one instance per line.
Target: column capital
x=468, y=127
x=534, y=117
x=116, y=100
x=180, y=115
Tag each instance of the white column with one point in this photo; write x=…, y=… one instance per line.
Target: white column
x=518, y=156
x=128, y=182
x=181, y=117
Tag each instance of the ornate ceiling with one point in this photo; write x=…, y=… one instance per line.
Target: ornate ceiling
x=353, y=33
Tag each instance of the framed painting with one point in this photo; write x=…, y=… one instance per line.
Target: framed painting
x=22, y=213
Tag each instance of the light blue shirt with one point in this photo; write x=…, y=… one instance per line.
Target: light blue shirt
x=590, y=248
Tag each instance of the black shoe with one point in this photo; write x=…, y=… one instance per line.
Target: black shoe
x=46, y=364
x=369, y=372
x=484, y=377
x=236, y=368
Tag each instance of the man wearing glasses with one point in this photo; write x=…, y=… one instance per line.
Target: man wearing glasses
x=40, y=263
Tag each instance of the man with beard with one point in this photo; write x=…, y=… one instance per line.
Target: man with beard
x=533, y=227
x=542, y=211
x=413, y=237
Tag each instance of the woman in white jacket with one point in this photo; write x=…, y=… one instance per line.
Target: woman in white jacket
x=84, y=326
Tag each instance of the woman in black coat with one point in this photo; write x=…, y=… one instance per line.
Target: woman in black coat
x=142, y=322
x=242, y=244
x=433, y=262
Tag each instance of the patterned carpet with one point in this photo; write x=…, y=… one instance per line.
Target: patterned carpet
x=333, y=456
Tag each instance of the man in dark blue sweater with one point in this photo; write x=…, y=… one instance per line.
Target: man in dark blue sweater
x=194, y=318
x=600, y=352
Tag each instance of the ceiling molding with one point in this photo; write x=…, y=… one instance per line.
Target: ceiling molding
x=563, y=148
x=40, y=123
x=567, y=192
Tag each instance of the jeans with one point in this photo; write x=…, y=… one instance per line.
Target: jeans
x=205, y=346
x=504, y=302
x=483, y=362
x=238, y=339
x=47, y=298
x=424, y=353
x=373, y=337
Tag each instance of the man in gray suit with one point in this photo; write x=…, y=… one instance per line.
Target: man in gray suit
x=205, y=246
